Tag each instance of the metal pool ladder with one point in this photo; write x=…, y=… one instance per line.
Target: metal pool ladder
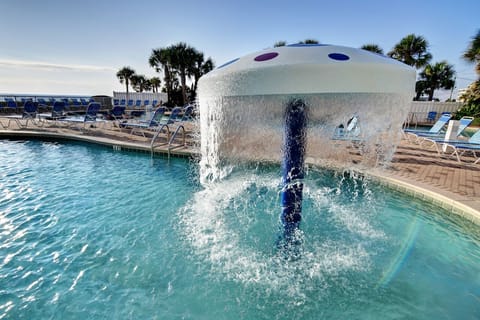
x=170, y=139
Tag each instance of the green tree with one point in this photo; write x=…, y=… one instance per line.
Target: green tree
x=124, y=75
x=280, y=44
x=471, y=96
x=473, y=52
x=440, y=75
x=155, y=82
x=412, y=50
x=140, y=83
x=180, y=62
x=309, y=41
x=183, y=60
x=372, y=48
x=198, y=69
x=160, y=59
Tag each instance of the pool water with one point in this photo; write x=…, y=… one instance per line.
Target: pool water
x=90, y=233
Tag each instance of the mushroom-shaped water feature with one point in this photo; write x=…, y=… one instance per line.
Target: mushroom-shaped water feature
x=317, y=103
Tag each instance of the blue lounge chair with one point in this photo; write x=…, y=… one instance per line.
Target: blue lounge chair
x=10, y=105
x=435, y=129
x=43, y=104
x=461, y=147
x=57, y=113
x=84, y=102
x=117, y=112
x=175, y=115
x=29, y=114
x=89, y=118
x=431, y=116
x=464, y=122
x=138, y=104
x=42, y=101
x=187, y=113
x=350, y=131
x=116, y=115
x=154, y=122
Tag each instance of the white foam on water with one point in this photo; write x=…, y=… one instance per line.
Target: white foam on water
x=220, y=244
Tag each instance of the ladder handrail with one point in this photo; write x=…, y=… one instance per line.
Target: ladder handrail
x=155, y=136
x=172, y=138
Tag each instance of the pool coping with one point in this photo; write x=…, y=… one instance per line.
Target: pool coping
x=456, y=204
x=115, y=144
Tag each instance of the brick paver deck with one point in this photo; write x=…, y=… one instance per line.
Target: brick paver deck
x=443, y=175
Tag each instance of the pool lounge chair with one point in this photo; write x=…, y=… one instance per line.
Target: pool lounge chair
x=140, y=126
x=10, y=105
x=57, y=113
x=90, y=117
x=157, y=122
x=117, y=112
x=84, y=102
x=458, y=148
x=43, y=105
x=116, y=115
x=29, y=114
x=350, y=131
x=425, y=138
x=436, y=129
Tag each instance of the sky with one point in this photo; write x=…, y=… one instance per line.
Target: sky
x=76, y=47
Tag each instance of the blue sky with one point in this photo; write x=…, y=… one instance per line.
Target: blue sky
x=76, y=47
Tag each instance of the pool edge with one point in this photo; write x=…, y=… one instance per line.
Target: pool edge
x=446, y=202
x=457, y=207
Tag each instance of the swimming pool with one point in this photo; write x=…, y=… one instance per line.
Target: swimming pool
x=90, y=233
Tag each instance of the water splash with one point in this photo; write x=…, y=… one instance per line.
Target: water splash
x=231, y=227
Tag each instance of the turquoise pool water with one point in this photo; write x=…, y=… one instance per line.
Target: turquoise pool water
x=89, y=233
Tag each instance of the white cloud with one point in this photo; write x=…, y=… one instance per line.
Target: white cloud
x=21, y=76
x=51, y=66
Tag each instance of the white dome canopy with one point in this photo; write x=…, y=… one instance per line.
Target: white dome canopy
x=308, y=69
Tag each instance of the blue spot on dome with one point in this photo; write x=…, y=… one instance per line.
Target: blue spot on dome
x=228, y=63
x=338, y=56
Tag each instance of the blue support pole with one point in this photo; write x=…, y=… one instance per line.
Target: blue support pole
x=293, y=168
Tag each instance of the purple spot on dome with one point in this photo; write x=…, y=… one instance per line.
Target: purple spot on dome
x=229, y=62
x=338, y=56
x=266, y=56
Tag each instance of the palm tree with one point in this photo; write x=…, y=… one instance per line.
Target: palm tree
x=155, y=82
x=160, y=59
x=437, y=76
x=200, y=67
x=183, y=60
x=473, y=52
x=140, y=83
x=412, y=50
x=372, y=48
x=124, y=75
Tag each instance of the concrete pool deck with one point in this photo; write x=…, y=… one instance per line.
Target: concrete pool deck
x=413, y=170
